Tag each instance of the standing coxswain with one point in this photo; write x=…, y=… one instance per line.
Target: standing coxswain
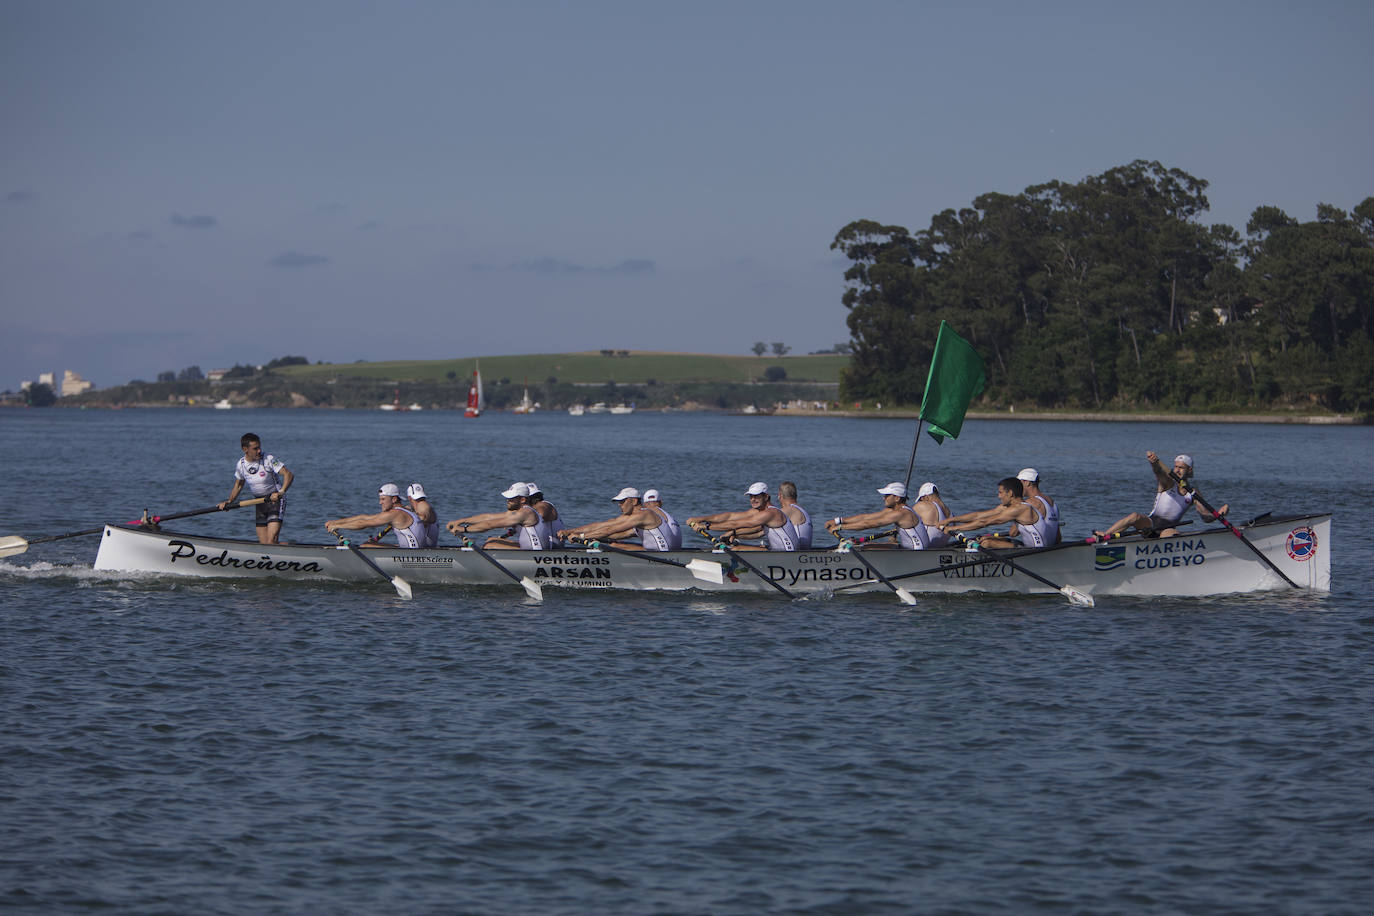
x=266, y=476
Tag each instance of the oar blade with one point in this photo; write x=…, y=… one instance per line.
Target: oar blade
x=532, y=588
x=1076, y=597
x=707, y=571
x=402, y=587
x=12, y=545
x=905, y=596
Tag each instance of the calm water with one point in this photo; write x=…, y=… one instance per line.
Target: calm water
x=199, y=747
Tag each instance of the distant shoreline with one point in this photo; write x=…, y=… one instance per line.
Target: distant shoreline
x=887, y=414
x=1091, y=417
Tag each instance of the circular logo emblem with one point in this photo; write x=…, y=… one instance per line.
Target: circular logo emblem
x=1302, y=544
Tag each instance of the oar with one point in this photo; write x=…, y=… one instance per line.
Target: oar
x=1197, y=497
x=871, y=537
x=1082, y=599
x=704, y=570
x=962, y=564
x=531, y=587
x=734, y=555
x=849, y=548
x=379, y=535
x=12, y=545
x=1094, y=539
x=401, y=585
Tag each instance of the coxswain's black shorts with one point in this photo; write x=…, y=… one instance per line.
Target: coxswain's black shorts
x=270, y=511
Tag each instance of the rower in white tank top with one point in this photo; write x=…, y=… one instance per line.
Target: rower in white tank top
x=660, y=537
x=412, y=535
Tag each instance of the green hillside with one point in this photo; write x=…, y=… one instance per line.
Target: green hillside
x=592, y=367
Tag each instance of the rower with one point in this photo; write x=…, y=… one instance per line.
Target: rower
x=917, y=526
x=419, y=504
x=653, y=500
x=634, y=518
x=801, y=519
x=410, y=531
x=1030, y=485
x=532, y=533
x=1027, y=521
x=1172, y=499
x=762, y=516
x=547, y=512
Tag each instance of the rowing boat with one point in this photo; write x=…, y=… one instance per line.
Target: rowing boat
x=1207, y=562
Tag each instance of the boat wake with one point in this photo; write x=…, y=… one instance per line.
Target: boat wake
x=43, y=570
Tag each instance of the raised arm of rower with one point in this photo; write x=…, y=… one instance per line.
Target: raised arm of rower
x=1164, y=480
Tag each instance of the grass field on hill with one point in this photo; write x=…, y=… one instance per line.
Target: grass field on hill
x=590, y=367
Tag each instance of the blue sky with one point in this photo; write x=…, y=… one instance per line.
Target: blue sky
x=210, y=183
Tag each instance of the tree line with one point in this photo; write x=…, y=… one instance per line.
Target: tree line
x=1111, y=293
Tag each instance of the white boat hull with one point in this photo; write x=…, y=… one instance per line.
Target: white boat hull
x=1209, y=562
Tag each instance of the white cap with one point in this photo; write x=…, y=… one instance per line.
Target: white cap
x=756, y=488
x=927, y=489
x=1184, y=459
x=651, y=495
x=1030, y=475
x=627, y=493
x=415, y=491
x=896, y=488
x=389, y=489
x=516, y=489
x=534, y=487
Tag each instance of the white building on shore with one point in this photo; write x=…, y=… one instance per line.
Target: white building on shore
x=73, y=383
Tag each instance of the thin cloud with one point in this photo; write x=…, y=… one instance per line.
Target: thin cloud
x=550, y=267
x=20, y=197
x=194, y=222
x=295, y=259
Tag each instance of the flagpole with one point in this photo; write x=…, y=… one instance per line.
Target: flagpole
x=910, y=465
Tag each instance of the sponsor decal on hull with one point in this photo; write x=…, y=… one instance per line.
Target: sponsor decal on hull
x=1170, y=554
x=1302, y=544
x=827, y=573
x=185, y=550
x=1109, y=558
x=573, y=570
x=402, y=559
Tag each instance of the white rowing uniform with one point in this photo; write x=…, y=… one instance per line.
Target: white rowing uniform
x=922, y=536
x=412, y=535
x=804, y=529
x=1169, y=507
x=783, y=537
x=432, y=529
x=1050, y=512
x=660, y=537
x=551, y=526
x=263, y=477
x=674, y=531
x=1034, y=534
x=538, y=536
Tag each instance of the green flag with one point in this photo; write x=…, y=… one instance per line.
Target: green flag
x=956, y=378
